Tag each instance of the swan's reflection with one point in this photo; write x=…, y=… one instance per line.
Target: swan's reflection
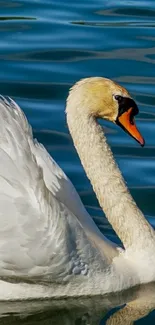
x=140, y=301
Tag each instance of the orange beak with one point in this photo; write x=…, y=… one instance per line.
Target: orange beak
x=126, y=121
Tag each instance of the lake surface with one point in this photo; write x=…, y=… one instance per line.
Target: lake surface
x=46, y=46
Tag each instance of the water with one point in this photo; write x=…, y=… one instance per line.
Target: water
x=45, y=46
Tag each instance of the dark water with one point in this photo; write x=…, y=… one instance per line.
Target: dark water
x=47, y=45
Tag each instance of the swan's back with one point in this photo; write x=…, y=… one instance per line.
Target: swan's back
x=40, y=238
x=27, y=229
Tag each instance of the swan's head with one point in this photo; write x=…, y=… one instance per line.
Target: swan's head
x=103, y=98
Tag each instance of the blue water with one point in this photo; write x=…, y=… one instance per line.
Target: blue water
x=47, y=45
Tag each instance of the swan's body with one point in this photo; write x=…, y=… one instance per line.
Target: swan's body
x=49, y=245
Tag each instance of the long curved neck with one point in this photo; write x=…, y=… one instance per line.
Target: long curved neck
x=114, y=198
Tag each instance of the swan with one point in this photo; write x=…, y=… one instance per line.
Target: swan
x=49, y=245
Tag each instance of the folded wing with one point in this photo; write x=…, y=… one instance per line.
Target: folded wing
x=40, y=237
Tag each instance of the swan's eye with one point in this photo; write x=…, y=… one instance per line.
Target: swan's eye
x=118, y=98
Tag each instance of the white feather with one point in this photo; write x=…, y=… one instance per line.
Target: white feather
x=40, y=237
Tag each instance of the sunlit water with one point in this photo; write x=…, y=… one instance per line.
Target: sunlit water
x=47, y=45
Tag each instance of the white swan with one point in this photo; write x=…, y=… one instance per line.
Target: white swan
x=49, y=245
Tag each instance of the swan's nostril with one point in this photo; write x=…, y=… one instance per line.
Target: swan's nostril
x=127, y=123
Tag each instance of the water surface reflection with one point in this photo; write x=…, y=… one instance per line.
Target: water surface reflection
x=139, y=302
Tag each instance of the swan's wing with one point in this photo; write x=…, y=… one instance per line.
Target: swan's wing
x=62, y=188
x=58, y=183
x=39, y=237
